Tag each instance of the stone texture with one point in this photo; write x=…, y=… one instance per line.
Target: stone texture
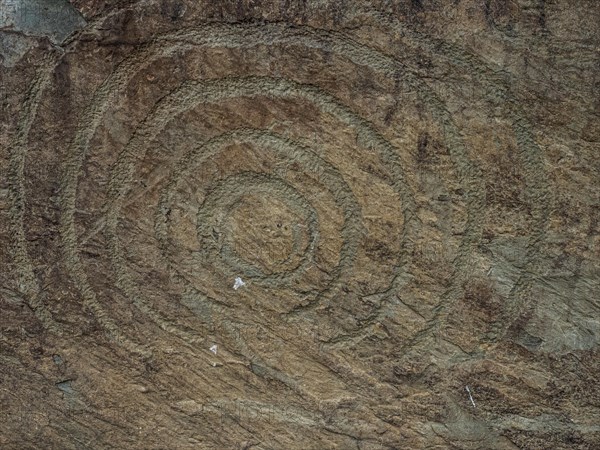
x=408, y=189
x=20, y=20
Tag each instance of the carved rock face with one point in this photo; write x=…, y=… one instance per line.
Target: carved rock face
x=383, y=216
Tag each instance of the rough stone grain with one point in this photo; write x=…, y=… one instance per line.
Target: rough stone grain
x=407, y=189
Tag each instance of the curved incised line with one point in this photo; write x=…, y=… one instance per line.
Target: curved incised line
x=27, y=281
x=249, y=35
x=292, y=151
x=227, y=192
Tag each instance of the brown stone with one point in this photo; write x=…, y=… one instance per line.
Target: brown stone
x=311, y=225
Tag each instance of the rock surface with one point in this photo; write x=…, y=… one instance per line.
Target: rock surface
x=311, y=225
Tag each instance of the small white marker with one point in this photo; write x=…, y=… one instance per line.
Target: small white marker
x=238, y=283
x=470, y=396
x=214, y=349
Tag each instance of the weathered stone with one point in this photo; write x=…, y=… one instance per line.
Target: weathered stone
x=309, y=225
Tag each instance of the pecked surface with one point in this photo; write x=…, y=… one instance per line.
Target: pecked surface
x=407, y=192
